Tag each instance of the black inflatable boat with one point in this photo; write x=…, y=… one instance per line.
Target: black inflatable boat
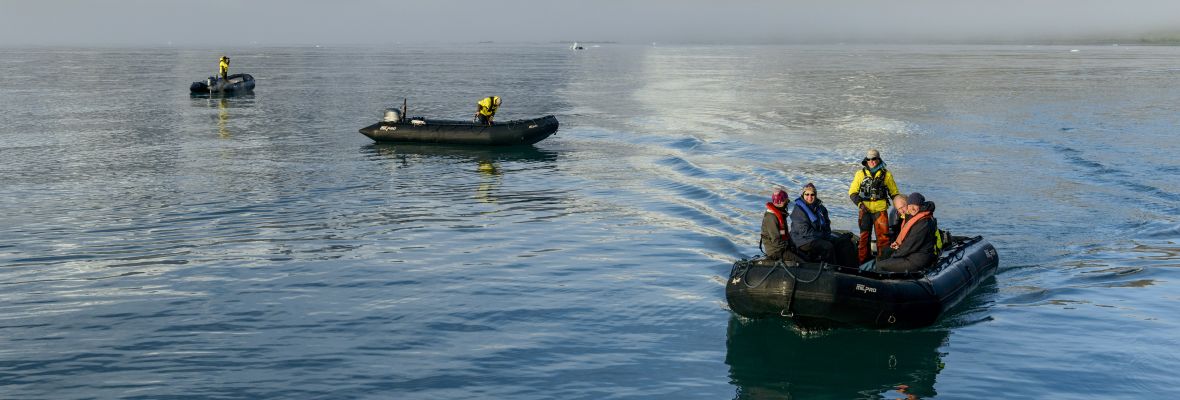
x=233, y=84
x=393, y=128
x=820, y=293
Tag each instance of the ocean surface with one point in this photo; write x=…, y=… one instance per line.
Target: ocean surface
x=156, y=245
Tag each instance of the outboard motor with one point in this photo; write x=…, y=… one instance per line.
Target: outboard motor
x=393, y=115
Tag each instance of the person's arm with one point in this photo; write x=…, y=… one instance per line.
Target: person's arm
x=772, y=243
x=854, y=188
x=801, y=231
x=919, y=235
x=889, y=184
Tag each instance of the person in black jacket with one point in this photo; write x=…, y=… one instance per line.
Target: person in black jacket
x=914, y=248
x=810, y=227
x=775, y=240
x=811, y=231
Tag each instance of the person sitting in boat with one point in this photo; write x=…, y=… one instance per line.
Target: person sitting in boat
x=915, y=246
x=896, y=216
x=811, y=232
x=776, y=240
x=485, y=110
x=870, y=191
x=223, y=67
x=810, y=226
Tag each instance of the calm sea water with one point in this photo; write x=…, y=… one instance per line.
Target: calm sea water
x=155, y=245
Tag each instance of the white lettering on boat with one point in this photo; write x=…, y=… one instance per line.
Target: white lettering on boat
x=866, y=289
x=388, y=128
x=532, y=126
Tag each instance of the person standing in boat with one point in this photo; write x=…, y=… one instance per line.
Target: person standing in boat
x=916, y=244
x=485, y=110
x=870, y=190
x=776, y=240
x=223, y=67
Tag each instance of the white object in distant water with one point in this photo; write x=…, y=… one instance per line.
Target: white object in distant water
x=1074, y=50
x=393, y=115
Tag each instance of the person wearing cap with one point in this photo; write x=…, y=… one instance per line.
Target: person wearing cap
x=811, y=232
x=485, y=110
x=870, y=190
x=776, y=240
x=223, y=67
x=915, y=246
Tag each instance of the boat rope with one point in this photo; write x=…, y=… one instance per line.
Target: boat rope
x=780, y=264
x=819, y=271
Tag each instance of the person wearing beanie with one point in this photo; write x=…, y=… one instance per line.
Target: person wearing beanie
x=915, y=246
x=811, y=231
x=776, y=240
x=870, y=190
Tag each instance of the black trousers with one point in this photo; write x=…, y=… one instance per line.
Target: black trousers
x=897, y=264
x=817, y=250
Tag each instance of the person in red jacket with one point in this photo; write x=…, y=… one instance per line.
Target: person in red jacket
x=776, y=239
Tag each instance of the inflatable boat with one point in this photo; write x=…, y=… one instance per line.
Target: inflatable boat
x=236, y=83
x=394, y=128
x=828, y=294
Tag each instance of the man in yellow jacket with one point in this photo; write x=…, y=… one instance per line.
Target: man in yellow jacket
x=871, y=190
x=485, y=110
x=223, y=67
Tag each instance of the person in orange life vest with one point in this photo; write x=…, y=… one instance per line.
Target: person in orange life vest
x=914, y=248
x=896, y=216
x=870, y=191
x=775, y=240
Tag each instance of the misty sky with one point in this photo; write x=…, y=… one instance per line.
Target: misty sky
x=274, y=22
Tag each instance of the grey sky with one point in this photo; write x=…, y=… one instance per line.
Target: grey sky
x=273, y=22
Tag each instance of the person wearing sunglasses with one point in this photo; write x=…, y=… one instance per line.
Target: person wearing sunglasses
x=870, y=190
x=810, y=226
x=775, y=240
x=811, y=231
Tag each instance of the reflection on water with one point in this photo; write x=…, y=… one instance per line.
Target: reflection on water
x=222, y=117
x=771, y=359
x=487, y=162
x=406, y=152
x=223, y=104
x=491, y=174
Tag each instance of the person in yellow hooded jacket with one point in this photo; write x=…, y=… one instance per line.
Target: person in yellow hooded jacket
x=871, y=189
x=223, y=67
x=485, y=110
